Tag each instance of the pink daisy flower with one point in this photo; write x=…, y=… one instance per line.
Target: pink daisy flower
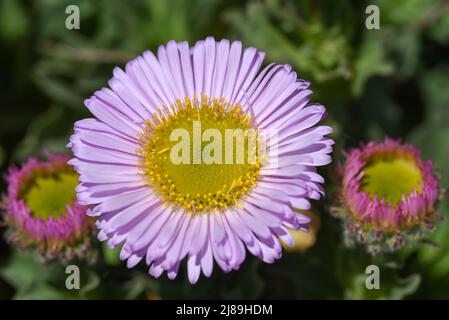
x=198, y=208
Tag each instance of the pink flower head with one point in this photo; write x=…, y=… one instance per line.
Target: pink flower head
x=389, y=195
x=64, y=231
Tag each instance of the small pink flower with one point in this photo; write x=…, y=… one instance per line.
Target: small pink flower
x=61, y=231
x=388, y=194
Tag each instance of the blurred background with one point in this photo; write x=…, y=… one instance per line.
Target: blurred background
x=375, y=83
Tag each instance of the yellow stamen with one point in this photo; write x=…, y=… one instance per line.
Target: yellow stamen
x=199, y=187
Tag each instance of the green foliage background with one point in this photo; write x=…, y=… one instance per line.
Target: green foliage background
x=375, y=83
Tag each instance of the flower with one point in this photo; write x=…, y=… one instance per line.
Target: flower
x=161, y=207
x=389, y=196
x=42, y=211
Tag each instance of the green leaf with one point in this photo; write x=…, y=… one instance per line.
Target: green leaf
x=92, y=282
x=29, y=277
x=371, y=61
x=139, y=284
x=405, y=287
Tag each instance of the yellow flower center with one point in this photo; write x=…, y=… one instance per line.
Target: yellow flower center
x=48, y=195
x=391, y=176
x=201, y=155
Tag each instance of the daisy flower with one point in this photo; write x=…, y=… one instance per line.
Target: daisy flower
x=388, y=195
x=206, y=205
x=42, y=211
